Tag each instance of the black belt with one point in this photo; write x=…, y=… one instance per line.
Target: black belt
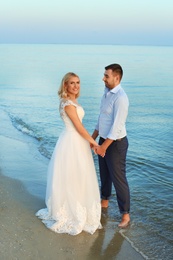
x=120, y=139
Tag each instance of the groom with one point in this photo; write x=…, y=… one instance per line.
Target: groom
x=113, y=143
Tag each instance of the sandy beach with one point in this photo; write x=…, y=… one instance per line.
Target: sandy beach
x=24, y=236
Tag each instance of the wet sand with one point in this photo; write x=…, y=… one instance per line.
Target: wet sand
x=24, y=236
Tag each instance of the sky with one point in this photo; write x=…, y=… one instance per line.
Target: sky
x=119, y=22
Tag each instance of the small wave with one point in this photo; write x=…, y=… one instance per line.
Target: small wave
x=132, y=245
x=20, y=125
x=45, y=144
x=46, y=148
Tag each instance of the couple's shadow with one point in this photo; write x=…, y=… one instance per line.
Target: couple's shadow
x=109, y=241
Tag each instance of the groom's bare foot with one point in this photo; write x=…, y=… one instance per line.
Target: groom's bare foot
x=104, y=203
x=125, y=221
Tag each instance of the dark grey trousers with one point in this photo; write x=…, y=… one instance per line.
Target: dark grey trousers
x=113, y=170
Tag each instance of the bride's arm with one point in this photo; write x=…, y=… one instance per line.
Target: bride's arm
x=72, y=114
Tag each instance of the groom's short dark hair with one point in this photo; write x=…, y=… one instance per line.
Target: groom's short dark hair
x=115, y=68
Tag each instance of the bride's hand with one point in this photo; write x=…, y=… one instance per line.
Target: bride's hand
x=91, y=146
x=100, y=151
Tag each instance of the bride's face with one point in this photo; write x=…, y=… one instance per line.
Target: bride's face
x=73, y=86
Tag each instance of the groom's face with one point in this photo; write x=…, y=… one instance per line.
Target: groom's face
x=111, y=79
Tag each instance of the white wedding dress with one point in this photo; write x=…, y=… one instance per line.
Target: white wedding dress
x=72, y=195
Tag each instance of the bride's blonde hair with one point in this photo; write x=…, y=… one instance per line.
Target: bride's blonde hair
x=62, y=93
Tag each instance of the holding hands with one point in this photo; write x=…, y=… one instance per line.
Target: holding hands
x=98, y=149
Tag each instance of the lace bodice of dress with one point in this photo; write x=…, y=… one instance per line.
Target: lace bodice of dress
x=68, y=123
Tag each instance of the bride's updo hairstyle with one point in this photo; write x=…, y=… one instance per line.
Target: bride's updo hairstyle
x=62, y=92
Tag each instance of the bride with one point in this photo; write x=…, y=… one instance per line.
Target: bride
x=72, y=194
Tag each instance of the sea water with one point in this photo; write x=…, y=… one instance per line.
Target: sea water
x=30, y=76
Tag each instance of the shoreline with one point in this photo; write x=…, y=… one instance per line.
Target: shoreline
x=24, y=236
